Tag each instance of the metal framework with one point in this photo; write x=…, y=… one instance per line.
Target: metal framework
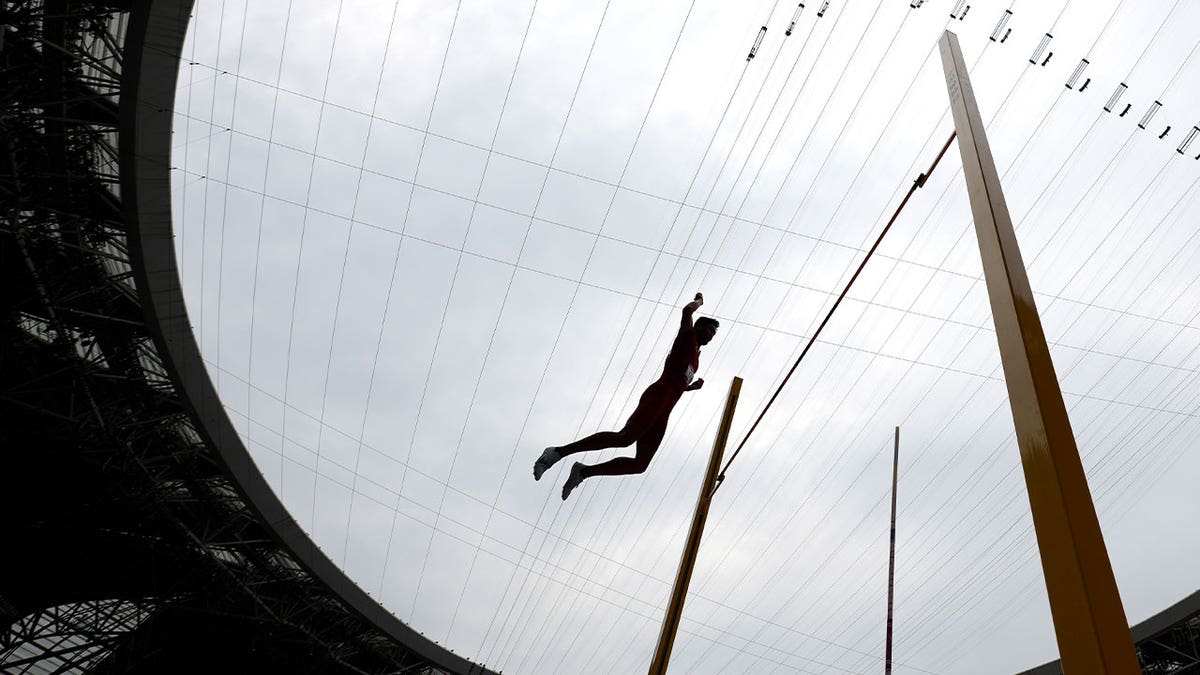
x=134, y=529
x=129, y=538
x=1167, y=643
x=75, y=637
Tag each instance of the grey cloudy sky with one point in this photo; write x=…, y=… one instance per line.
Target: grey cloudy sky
x=421, y=241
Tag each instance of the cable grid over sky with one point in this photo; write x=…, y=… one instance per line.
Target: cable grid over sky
x=421, y=242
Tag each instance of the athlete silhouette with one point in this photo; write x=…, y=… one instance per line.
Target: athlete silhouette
x=648, y=422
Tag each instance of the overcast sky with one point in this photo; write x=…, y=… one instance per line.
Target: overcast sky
x=420, y=242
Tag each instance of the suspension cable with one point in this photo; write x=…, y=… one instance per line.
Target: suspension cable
x=918, y=183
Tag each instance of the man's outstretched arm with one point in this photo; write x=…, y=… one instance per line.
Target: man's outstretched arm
x=690, y=309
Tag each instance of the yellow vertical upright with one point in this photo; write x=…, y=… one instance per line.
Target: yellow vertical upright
x=1089, y=621
x=666, y=637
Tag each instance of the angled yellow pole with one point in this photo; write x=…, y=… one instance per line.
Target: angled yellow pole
x=1089, y=621
x=666, y=638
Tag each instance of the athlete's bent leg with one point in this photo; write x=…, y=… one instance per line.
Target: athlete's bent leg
x=647, y=445
x=650, y=407
x=598, y=441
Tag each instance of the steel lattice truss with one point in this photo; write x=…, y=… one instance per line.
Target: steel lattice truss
x=1167, y=643
x=73, y=637
x=127, y=545
x=128, y=548
x=1177, y=650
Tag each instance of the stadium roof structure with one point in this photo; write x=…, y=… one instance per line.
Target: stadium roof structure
x=1168, y=642
x=417, y=251
x=142, y=526
x=137, y=538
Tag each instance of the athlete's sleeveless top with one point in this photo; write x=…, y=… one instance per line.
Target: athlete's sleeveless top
x=683, y=360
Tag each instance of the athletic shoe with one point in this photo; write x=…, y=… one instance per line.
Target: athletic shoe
x=548, y=458
x=573, y=480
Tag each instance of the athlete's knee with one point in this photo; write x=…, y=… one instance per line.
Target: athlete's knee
x=641, y=462
x=625, y=437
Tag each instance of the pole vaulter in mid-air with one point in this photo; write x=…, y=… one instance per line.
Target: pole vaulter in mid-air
x=648, y=423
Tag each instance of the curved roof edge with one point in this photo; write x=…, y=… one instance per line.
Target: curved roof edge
x=153, y=51
x=1150, y=629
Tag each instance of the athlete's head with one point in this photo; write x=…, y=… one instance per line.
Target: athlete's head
x=706, y=329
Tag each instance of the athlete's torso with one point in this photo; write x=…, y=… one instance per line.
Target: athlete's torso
x=683, y=360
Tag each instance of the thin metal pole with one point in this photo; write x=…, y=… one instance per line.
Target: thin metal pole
x=1089, y=620
x=666, y=638
x=887, y=663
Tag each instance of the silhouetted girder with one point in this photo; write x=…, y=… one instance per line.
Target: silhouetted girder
x=49, y=430
x=67, y=268
x=107, y=484
x=45, y=166
x=55, y=73
x=72, y=99
x=88, y=107
x=102, y=513
x=58, y=562
x=1168, y=642
x=69, y=638
x=41, y=389
x=85, y=533
x=184, y=639
x=17, y=292
x=84, y=298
